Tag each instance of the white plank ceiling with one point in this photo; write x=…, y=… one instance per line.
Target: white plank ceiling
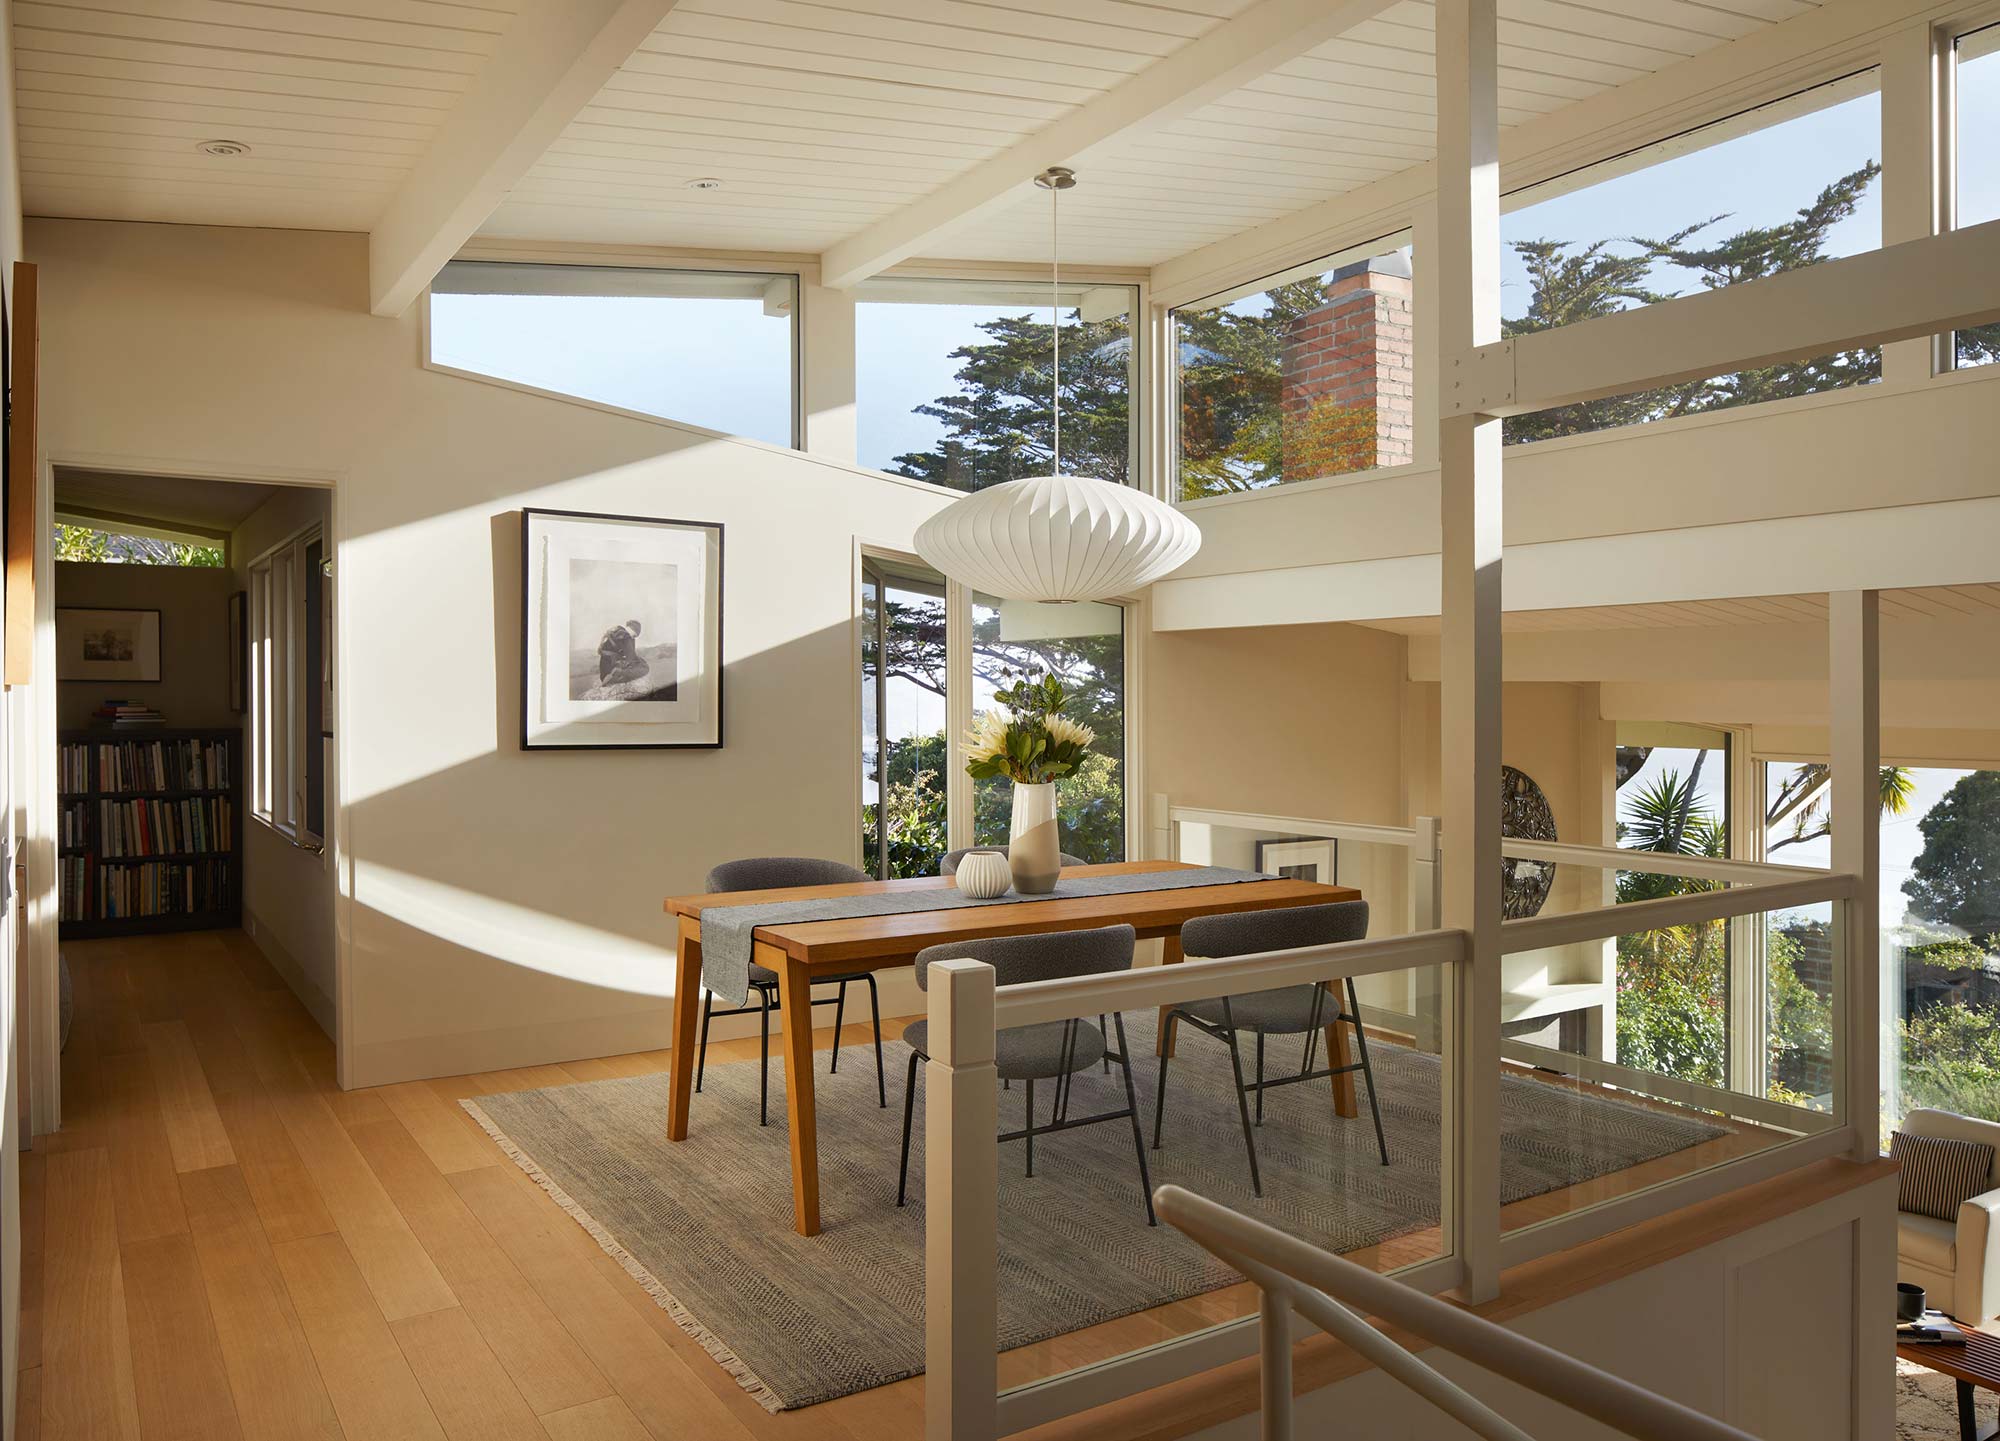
x=819, y=116
x=1942, y=602
x=822, y=117
x=335, y=98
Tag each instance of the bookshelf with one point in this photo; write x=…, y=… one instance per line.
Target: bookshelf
x=151, y=830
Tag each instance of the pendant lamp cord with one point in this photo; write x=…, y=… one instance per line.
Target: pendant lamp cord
x=1055, y=323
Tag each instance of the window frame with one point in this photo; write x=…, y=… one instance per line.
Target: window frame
x=280, y=747
x=797, y=380
x=1033, y=285
x=959, y=796
x=1171, y=388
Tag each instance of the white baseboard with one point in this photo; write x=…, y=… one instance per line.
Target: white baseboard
x=318, y=1002
x=651, y=1028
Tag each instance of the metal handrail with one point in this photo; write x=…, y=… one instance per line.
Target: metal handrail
x=1322, y=1287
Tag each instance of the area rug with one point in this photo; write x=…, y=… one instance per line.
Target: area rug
x=705, y=1225
x=1927, y=1404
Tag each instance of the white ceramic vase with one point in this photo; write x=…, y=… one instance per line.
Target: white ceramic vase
x=1034, y=850
x=984, y=875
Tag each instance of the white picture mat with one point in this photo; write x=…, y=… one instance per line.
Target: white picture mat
x=695, y=551
x=74, y=622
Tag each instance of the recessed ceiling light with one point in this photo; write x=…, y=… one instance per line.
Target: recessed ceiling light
x=705, y=182
x=223, y=147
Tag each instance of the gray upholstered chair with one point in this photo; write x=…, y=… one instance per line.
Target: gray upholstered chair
x=1288, y=1011
x=1055, y=1050
x=949, y=865
x=767, y=873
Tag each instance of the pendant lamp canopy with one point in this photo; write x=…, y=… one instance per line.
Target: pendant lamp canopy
x=1057, y=537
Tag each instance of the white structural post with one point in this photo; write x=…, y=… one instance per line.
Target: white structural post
x=1854, y=670
x=961, y=1207
x=1274, y=1319
x=1468, y=303
x=1916, y=192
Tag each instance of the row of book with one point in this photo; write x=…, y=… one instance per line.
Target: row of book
x=91, y=892
x=160, y=765
x=75, y=825
x=151, y=828
x=128, y=715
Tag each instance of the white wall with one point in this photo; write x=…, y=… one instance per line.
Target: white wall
x=505, y=908
x=288, y=892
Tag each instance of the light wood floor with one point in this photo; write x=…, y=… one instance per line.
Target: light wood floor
x=221, y=1244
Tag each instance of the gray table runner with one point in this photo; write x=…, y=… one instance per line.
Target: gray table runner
x=726, y=930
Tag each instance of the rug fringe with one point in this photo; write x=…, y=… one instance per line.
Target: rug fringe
x=716, y=1347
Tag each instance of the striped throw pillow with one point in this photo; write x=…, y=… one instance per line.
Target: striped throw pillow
x=1938, y=1174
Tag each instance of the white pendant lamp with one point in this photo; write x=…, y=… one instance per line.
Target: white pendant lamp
x=1057, y=537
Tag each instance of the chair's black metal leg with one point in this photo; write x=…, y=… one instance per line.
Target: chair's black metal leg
x=1260, y=1078
x=875, y=1010
x=764, y=1058
x=1132, y=1110
x=1312, y=1031
x=1367, y=1069
x=1060, y=1111
x=1102, y=1031
x=839, y=1010
x=909, y=1105
x=1242, y=1104
x=701, y=1051
x=1030, y=1112
x=1160, y=1093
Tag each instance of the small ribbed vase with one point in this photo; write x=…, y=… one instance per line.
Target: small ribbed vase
x=984, y=875
x=1034, y=851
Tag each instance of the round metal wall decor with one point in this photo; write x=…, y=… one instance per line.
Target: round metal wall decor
x=1525, y=815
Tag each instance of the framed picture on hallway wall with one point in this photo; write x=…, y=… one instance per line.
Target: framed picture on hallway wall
x=621, y=632
x=107, y=644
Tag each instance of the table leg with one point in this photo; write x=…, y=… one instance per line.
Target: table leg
x=1338, y=1053
x=680, y=1059
x=1170, y=955
x=795, y=1000
x=1969, y=1428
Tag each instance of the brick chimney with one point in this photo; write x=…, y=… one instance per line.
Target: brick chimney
x=1346, y=387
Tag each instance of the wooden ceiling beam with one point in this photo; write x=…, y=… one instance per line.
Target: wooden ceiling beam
x=549, y=64
x=1226, y=58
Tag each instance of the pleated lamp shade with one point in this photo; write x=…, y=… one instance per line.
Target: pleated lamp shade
x=1058, y=537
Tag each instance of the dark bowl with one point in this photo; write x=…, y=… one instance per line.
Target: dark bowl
x=1909, y=1302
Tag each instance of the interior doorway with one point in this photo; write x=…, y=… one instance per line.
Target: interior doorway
x=189, y=745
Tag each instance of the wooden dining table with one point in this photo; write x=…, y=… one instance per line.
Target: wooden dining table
x=803, y=952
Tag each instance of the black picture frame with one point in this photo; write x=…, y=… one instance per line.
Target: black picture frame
x=65, y=659
x=239, y=651
x=1264, y=862
x=713, y=591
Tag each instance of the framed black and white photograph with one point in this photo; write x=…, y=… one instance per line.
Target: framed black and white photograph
x=239, y=651
x=621, y=632
x=107, y=644
x=1316, y=861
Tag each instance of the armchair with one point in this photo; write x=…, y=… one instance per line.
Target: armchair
x=1958, y=1263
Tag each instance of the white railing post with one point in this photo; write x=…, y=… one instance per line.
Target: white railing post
x=1468, y=304
x=961, y=1207
x=1426, y=914
x=1274, y=1373
x=1854, y=635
